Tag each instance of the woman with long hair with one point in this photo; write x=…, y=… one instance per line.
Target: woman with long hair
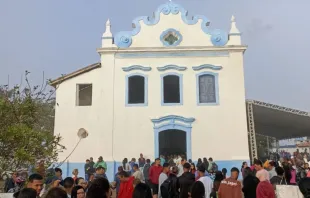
x=78, y=192
x=75, y=174
x=224, y=172
x=205, y=163
x=126, y=165
x=193, y=168
x=244, y=165
x=293, y=174
x=216, y=183
x=199, y=162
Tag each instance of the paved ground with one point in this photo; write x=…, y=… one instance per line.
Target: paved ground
x=1, y=186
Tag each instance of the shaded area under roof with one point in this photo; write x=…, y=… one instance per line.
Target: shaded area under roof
x=280, y=122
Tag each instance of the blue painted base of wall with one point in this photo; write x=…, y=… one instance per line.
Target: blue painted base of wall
x=230, y=164
x=67, y=168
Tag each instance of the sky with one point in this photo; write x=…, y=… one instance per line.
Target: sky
x=60, y=36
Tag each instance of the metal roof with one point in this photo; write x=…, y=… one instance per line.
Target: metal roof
x=280, y=122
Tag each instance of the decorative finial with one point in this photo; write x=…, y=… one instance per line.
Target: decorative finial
x=233, y=29
x=233, y=18
x=107, y=32
x=108, y=23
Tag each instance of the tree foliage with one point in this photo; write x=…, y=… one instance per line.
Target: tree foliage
x=27, y=125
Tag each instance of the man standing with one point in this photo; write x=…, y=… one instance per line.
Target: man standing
x=207, y=182
x=87, y=169
x=230, y=187
x=162, y=177
x=162, y=160
x=154, y=173
x=58, y=174
x=126, y=186
x=68, y=185
x=117, y=182
x=271, y=169
x=180, y=166
x=10, y=183
x=91, y=162
x=137, y=173
x=261, y=173
x=146, y=170
x=170, y=187
x=186, y=180
x=101, y=163
x=100, y=172
x=141, y=161
x=35, y=182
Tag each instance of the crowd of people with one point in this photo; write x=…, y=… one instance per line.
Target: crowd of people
x=172, y=177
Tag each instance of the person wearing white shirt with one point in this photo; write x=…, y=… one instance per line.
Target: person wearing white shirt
x=206, y=180
x=180, y=167
x=162, y=177
x=137, y=173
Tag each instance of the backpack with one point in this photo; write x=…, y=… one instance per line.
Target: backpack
x=166, y=188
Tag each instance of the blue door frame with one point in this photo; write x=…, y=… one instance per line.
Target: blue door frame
x=173, y=122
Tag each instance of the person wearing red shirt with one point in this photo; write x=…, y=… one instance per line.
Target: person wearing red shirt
x=126, y=185
x=154, y=173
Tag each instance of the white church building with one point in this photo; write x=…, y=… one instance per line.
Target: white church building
x=171, y=84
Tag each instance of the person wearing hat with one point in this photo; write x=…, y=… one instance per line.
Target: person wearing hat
x=101, y=163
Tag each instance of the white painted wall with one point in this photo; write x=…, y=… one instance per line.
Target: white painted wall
x=117, y=131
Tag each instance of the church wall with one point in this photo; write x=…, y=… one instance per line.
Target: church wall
x=214, y=127
x=96, y=119
x=117, y=130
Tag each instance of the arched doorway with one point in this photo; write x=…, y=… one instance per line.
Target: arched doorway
x=173, y=124
x=172, y=142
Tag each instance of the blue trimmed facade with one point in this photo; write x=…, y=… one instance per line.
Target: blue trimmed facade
x=173, y=54
x=206, y=66
x=145, y=90
x=124, y=39
x=216, y=88
x=136, y=67
x=68, y=167
x=180, y=87
x=171, y=67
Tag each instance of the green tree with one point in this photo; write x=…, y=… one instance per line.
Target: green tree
x=27, y=125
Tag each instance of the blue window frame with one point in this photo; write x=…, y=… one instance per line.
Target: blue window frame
x=207, y=88
x=136, y=90
x=171, y=89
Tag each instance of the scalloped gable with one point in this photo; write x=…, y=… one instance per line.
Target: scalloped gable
x=147, y=31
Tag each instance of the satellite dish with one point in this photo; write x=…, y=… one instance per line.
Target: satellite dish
x=82, y=133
